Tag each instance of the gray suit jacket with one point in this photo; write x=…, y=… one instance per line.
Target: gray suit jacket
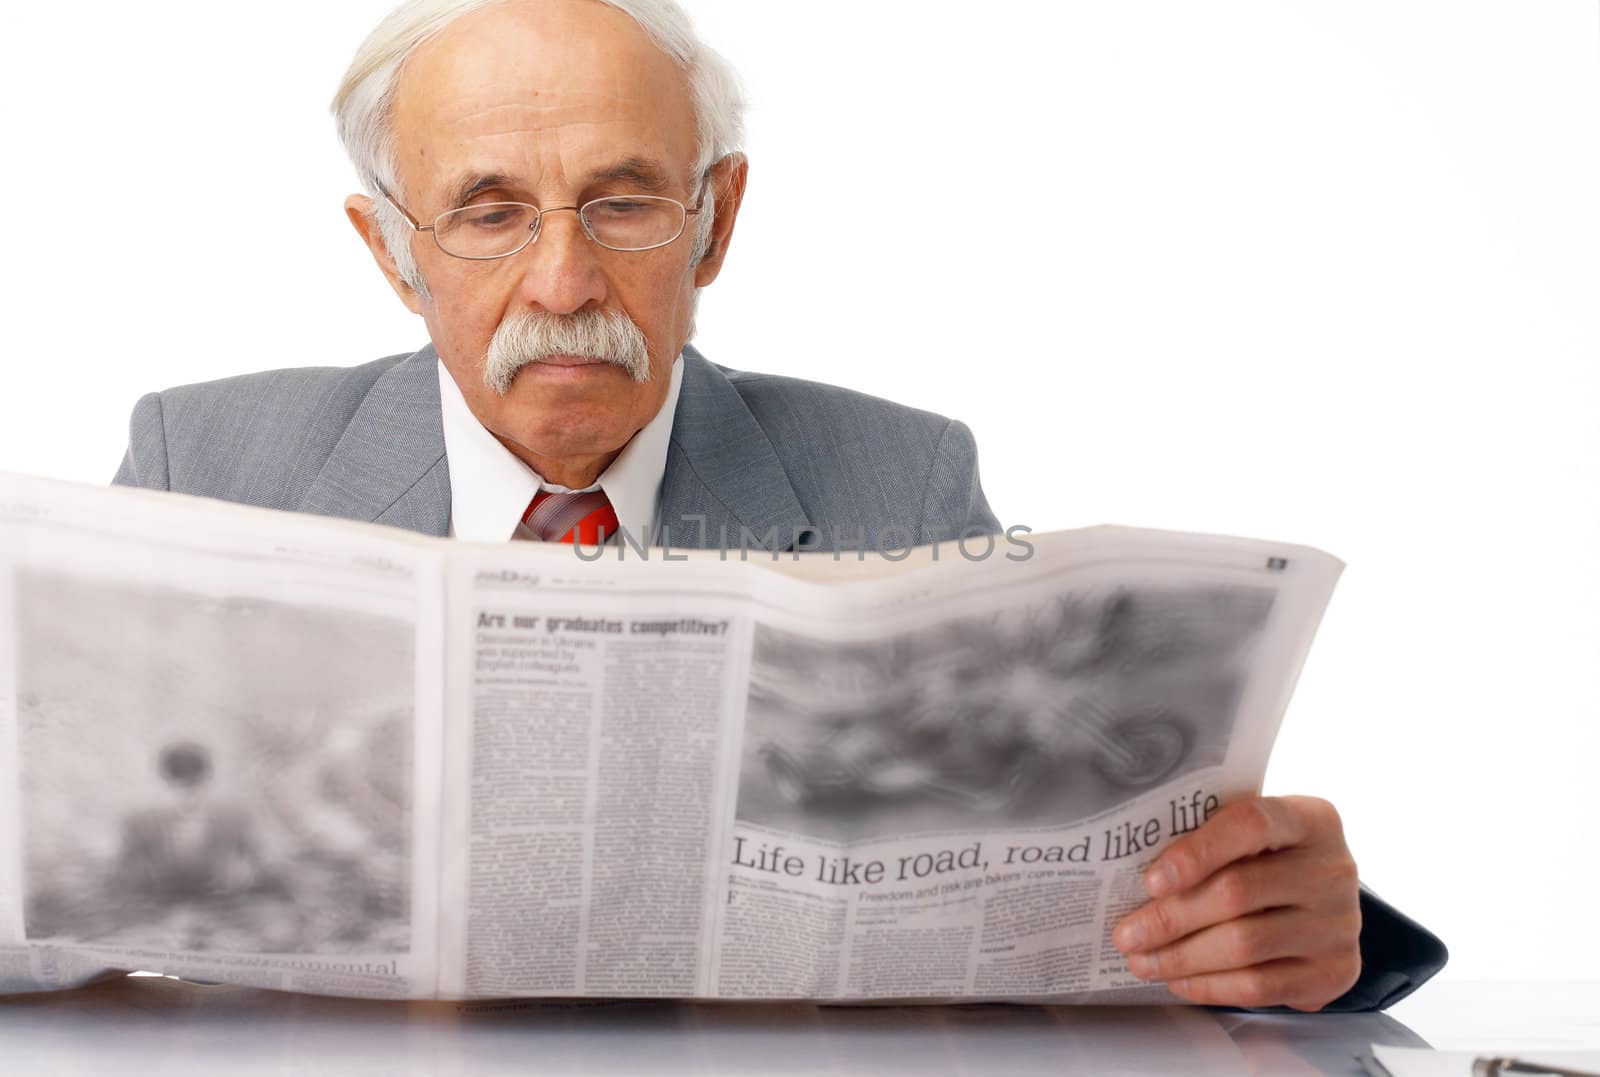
x=787, y=461
x=754, y=458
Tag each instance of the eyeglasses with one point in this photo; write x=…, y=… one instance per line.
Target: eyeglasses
x=489, y=230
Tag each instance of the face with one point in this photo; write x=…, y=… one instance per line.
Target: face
x=552, y=103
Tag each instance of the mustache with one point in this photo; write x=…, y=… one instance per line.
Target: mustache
x=528, y=336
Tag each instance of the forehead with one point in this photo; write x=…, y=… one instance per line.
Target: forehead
x=542, y=90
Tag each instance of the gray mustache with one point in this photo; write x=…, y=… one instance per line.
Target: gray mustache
x=528, y=336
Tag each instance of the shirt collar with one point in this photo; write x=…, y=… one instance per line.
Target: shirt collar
x=490, y=486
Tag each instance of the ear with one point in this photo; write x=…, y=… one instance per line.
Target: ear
x=360, y=209
x=728, y=179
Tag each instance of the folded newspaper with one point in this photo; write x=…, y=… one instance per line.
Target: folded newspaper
x=266, y=749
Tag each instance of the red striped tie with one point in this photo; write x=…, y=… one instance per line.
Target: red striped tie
x=586, y=517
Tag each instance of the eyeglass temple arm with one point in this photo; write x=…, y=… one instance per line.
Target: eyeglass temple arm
x=412, y=221
x=704, y=179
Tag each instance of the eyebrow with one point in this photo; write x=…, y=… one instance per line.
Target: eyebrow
x=638, y=171
x=642, y=172
x=471, y=186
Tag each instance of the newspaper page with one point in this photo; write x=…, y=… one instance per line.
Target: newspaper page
x=951, y=781
x=212, y=726
x=688, y=775
x=592, y=751
x=258, y=748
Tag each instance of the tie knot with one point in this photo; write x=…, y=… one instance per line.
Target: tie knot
x=582, y=517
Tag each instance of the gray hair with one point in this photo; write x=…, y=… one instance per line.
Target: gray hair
x=362, y=105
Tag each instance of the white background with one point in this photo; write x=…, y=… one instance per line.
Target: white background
x=1316, y=271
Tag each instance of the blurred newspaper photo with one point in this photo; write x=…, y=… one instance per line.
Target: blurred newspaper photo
x=259, y=748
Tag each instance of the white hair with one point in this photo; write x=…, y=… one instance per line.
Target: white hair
x=362, y=105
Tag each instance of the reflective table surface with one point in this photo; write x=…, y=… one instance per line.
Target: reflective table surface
x=159, y=1026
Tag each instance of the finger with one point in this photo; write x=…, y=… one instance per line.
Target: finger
x=1293, y=982
x=1298, y=878
x=1242, y=829
x=1247, y=941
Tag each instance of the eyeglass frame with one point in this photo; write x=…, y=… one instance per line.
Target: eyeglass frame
x=538, y=222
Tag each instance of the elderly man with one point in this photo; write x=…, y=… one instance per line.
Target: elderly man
x=549, y=184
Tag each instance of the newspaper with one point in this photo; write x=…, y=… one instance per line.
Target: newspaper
x=274, y=750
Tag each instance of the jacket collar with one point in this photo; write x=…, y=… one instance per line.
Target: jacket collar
x=724, y=485
x=722, y=469
x=389, y=465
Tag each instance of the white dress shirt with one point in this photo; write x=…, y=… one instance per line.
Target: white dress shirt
x=490, y=486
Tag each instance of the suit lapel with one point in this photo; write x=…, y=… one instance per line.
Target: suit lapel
x=722, y=469
x=389, y=466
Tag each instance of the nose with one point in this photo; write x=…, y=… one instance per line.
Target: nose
x=561, y=268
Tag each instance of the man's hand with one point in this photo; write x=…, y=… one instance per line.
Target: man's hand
x=1258, y=907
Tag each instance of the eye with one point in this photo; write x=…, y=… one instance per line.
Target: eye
x=619, y=207
x=494, y=217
